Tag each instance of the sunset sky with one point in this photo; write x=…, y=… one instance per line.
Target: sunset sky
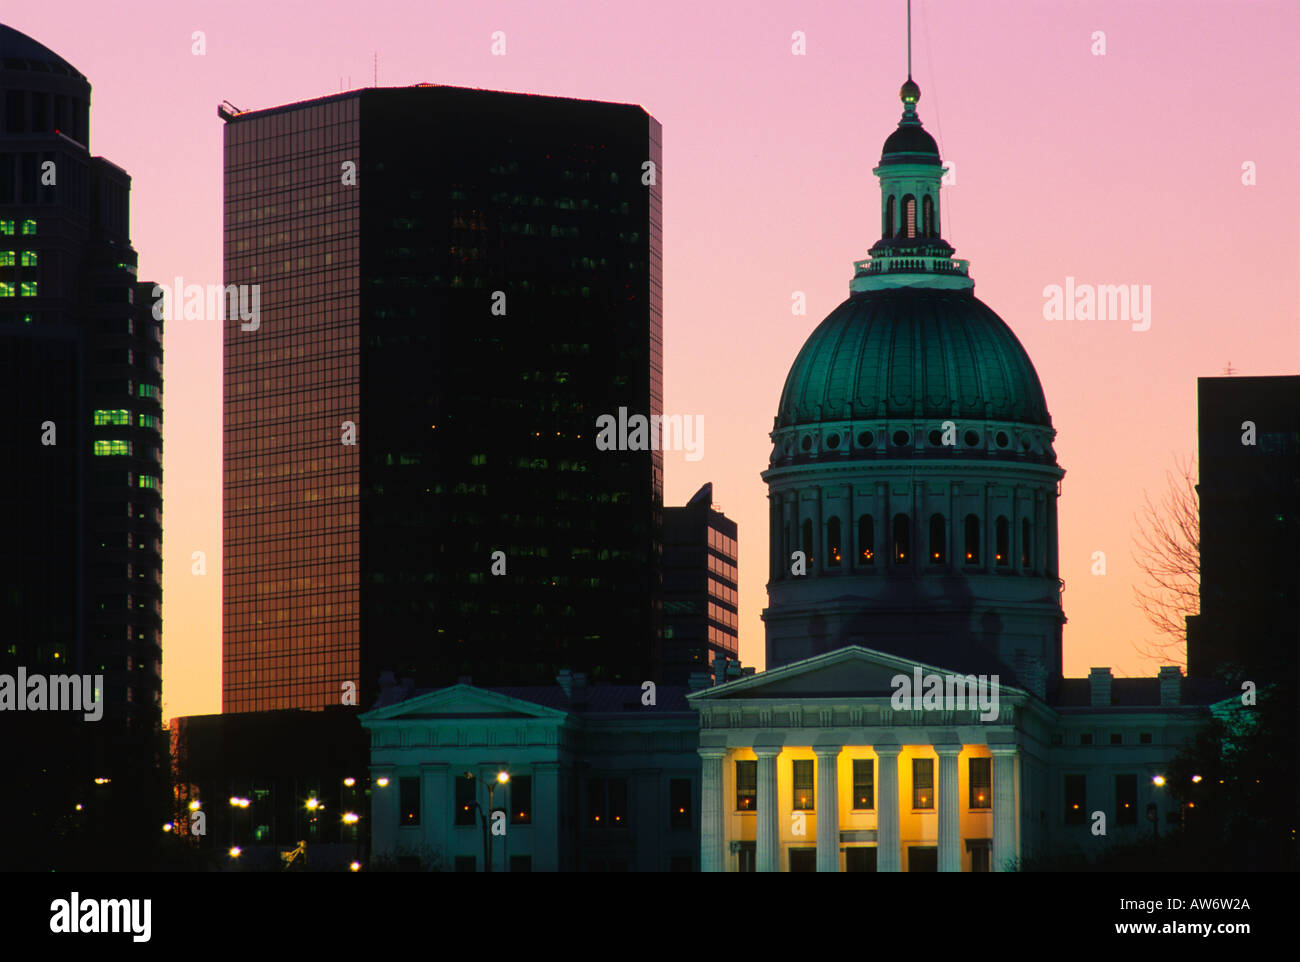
x=1123, y=168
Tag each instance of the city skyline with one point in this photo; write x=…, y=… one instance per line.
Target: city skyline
x=768, y=193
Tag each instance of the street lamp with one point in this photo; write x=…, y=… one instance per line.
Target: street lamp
x=502, y=778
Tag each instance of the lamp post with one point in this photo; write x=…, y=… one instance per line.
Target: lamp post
x=502, y=778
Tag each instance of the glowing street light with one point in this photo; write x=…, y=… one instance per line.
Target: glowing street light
x=355, y=866
x=381, y=782
x=1158, y=781
x=313, y=803
x=349, y=781
x=1196, y=779
x=351, y=818
x=235, y=851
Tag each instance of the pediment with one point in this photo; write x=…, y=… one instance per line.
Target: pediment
x=461, y=701
x=847, y=672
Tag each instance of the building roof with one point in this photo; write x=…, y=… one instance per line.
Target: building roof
x=20, y=52
x=586, y=700
x=912, y=353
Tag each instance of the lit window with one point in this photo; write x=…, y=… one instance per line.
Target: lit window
x=29, y=258
x=521, y=799
x=746, y=785
x=937, y=538
x=117, y=417
x=981, y=783
x=1126, y=789
x=149, y=390
x=103, y=448
x=866, y=540
x=864, y=784
x=7, y=227
x=6, y=289
x=972, y=540
x=149, y=481
x=922, y=783
x=833, y=543
x=1075, y=800
x=7, y=258
x=803, y=785
x=148, y=421
x=28, y=288
x=29, y=227
x=901, y=538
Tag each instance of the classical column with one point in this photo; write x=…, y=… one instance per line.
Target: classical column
x=712, y=825
x=384, y=815
x=768, y=840
x=828, y=808
x=1006, y=843
x=949, y=813
x=888, y=854
x=437, y=804
x=545, y=826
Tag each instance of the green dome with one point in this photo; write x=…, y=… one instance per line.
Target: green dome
x=912, y=353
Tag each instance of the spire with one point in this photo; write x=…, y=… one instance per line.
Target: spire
x=911, y=251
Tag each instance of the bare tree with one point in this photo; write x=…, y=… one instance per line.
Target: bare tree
x=1168, y=552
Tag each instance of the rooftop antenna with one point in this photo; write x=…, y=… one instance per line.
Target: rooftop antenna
x=1230, y=370
x=909, y=39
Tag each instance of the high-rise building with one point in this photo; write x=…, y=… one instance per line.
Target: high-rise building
x=81, y=386
x=1249, y=485
x=701, y=582
x=453, y=286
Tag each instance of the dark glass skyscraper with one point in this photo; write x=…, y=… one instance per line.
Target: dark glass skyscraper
x=81, y=385
x=1249, y=495
x=454, y=285
x=701, y=578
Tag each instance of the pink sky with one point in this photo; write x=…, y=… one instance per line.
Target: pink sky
x=1117, y=169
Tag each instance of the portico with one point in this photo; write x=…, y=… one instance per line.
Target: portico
x=809, y=766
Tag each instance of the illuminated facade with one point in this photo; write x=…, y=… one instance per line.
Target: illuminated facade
x=463, y=316
x=913, y=488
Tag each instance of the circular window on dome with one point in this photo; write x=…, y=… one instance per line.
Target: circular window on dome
x=807, y=442
x=833, y=441
x=1002, y=439
x=972, y=438
x=901, y=438
x=866, y=439
x=936, y=438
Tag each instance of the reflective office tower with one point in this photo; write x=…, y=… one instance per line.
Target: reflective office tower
x=701, y=601
x=912, y=480
x=452, y=286
x=81, y=387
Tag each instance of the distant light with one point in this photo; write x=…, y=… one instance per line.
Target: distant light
x=234, y=802
x=381, y=782
x=194, y=805
x=1196, y=779
x=234, y=851
x=102, y=781
x=78, y=806
x=244, y=803
x=503, y=777
x=349, y=781
x=355, y=866
x=1158, y=780
x=167, y=827
x=351, y=818
x=313, y=804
